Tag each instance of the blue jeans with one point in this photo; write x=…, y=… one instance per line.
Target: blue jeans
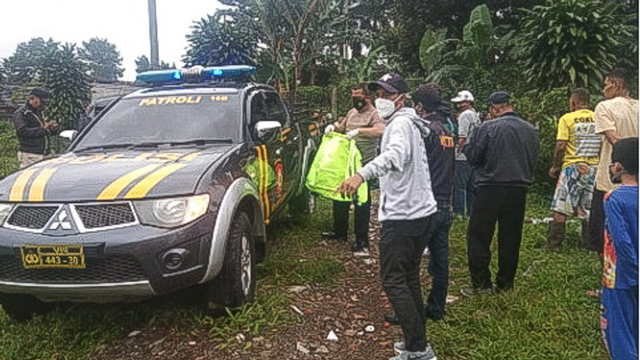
x=464, y=194
x=438, y=244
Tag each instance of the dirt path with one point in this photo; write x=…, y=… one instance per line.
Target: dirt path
x=356, y=301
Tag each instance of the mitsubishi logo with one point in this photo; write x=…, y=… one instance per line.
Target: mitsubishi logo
x=62, y=222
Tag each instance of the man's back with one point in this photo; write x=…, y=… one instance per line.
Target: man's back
x=620, y=115
x=577, y=128
x=504, y=151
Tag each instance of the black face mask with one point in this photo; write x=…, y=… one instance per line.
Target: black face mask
x=359, y=104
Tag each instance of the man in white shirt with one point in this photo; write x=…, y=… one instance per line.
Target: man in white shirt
x=468, y=121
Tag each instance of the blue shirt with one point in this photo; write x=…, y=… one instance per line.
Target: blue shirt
x=621, y=238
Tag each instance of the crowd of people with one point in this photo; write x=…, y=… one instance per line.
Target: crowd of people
x=432, y=164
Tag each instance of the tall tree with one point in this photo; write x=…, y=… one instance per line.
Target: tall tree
x=23, y=66
x=103, y=59
x=220, y=40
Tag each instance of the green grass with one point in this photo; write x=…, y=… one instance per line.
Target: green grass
x=547, y=316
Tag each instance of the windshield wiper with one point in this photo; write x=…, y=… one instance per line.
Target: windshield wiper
x=200, y=142
x=104, y=147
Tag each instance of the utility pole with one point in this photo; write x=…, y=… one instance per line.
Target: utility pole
x=153, y=34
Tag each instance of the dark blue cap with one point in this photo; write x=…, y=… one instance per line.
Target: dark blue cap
x=391, y=83
x=499, y=97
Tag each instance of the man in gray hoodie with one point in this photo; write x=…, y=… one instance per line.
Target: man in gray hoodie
x=406, y=203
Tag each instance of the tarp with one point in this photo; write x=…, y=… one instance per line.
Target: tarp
x=337, y=159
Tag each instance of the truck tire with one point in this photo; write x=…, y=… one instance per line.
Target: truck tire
x=235, y=286
x=21, y=307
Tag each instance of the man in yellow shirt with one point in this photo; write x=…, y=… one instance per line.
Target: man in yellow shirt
x=576, y=157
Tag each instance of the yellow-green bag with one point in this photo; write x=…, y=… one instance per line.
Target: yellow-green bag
x=337, y=159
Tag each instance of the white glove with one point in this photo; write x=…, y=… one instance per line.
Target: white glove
x=353, y=133
x=329, y=128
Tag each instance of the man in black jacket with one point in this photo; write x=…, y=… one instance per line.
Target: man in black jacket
x=32, y=129
x=503, y=152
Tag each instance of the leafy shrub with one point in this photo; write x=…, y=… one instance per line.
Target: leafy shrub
x=8, y=149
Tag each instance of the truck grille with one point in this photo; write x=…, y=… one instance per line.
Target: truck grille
x=31, y=217
x=99, y=270
x=105, y=215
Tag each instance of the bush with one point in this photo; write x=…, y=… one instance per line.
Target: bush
x=8, y=149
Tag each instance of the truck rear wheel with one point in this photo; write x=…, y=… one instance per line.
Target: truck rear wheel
x=236, y=284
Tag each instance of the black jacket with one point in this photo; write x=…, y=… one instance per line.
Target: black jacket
x=504, y=151
x=30, y=129
x=440, y=146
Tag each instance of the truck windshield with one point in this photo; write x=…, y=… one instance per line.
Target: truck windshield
x=166, y=119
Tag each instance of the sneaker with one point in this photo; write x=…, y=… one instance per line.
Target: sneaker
x=471, y=291
x=428, y=354
x=398, y=347
x=362, y=252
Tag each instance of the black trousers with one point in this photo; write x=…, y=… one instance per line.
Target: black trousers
x=504, y=205
x=401, y=247
x=595, y=240
x=362, y=216
x=438, y=244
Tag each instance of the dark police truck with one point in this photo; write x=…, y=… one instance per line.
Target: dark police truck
x=169, y=187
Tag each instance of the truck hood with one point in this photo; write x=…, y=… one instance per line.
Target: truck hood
x=111, y=176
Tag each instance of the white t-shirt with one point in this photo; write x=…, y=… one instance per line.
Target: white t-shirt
x=468, y=121
x=618, y=114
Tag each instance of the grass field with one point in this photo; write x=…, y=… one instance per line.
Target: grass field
x=548, y=316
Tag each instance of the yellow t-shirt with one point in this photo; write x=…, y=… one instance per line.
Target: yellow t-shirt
x=578, y=129
x=618, y=114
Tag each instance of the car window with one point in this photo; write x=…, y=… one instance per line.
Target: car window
x=267, y=106
x=164, y=118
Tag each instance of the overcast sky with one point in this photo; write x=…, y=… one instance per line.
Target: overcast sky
x=124, y=23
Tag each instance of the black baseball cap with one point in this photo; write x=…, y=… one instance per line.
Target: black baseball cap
x=391, y=83
x=40, y=93
x=499, y=97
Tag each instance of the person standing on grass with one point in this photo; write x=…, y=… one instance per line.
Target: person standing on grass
x=616, y=118
x=619, y=297
x=406, y=206
x=503, y=152
x=440, y=147
x=464, y=187
x=365, y=125
x=31, y=128
x=576, y=157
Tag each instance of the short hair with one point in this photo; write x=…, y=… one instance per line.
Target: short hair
x=621, y=75
x=362, y=86
x=581, y=96
x=625, y=152
x=428, y=95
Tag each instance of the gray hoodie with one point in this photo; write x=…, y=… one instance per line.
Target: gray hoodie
x=405, y=184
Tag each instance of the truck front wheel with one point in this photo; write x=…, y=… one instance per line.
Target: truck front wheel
x=236, y=284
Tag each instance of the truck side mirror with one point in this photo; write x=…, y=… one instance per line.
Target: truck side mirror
x=69, y=134
x=266, y=129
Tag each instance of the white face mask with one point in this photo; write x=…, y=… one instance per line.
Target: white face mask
x=385, y=107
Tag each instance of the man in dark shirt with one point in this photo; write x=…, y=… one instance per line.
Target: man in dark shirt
x=503, y=152
x=32, y=129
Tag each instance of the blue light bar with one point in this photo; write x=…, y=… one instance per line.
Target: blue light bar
x=231, y=71
x=161, y=77
x=197, y=74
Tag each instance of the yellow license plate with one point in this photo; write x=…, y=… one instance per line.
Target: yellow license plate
x=52, y=256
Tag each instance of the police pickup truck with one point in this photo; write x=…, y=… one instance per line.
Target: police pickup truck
x=169, y=187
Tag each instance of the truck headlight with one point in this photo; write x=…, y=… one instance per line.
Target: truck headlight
x=172, y=212
x=5, y=210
